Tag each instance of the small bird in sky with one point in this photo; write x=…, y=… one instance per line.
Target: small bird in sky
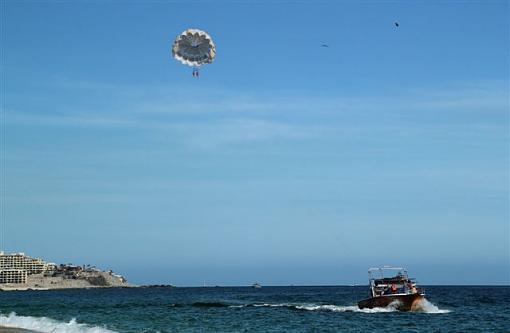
x=397, y=25
x=324, y=45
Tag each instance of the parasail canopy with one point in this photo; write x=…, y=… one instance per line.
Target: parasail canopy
x=194, y=48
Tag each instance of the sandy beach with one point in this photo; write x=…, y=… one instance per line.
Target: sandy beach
x=14, y=330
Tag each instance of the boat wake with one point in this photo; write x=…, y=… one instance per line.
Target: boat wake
x=424, y=307
x=48, y=325
x=317, y=307
x=427, y=307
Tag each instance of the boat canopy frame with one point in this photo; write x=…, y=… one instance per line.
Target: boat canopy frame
x=387, y=268
x=379, y=283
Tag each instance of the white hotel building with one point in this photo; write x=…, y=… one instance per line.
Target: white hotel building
x=16, y=267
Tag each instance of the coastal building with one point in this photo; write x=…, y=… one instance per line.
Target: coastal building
x=13, y=276
x=15, y=267
x=19, y=271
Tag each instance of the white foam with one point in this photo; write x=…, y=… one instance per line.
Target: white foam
x=321, y=307
x=424, y=306
x=274, y=305
x=427, y=307
x=347, y=308
x=48, y=325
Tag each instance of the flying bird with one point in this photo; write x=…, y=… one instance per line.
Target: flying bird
x=325, y=45
x=397, y=25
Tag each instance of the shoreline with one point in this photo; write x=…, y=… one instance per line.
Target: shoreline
x=6, y=329
x=2, y=288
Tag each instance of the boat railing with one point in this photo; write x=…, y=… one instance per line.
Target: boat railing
x=385, y=289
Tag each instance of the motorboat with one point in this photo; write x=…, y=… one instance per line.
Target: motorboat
x=391, y=286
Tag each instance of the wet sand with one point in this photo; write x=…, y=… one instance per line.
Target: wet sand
x=14, y=330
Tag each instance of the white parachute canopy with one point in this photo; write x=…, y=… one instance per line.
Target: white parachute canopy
x=194, y=48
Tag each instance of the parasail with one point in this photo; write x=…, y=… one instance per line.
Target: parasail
x=194, y=48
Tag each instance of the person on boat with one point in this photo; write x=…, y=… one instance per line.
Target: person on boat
x=393, y=288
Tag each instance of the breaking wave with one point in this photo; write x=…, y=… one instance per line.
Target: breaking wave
x=48, y=325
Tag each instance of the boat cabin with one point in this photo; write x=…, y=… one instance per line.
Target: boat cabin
x=393, y=281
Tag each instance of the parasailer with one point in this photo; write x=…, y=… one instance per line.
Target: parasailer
x=194, y=48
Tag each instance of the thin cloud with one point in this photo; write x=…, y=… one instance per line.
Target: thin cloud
x=211, y=118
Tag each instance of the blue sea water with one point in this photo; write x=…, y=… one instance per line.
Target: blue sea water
x=270, y=309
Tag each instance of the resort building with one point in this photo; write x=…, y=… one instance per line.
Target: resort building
x=13, y=276
x=15, y=267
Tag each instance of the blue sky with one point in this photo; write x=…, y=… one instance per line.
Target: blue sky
x=284, y=163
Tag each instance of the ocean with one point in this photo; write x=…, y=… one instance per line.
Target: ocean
x=244, y=309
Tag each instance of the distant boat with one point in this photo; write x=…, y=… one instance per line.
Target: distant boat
x=256, y=285
x=399, y=290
